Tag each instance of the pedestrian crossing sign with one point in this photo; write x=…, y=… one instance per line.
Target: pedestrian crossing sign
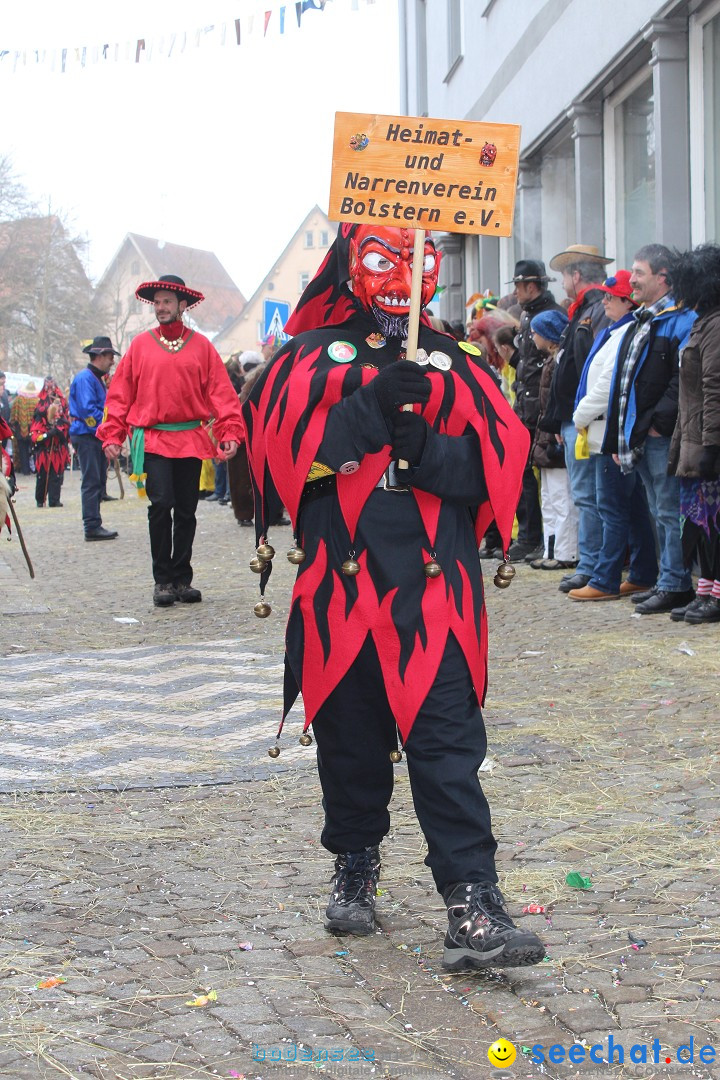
x=275, y=314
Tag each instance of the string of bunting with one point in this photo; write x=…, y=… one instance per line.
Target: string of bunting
x=271, y=17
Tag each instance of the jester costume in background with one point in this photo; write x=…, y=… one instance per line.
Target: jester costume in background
x=7, y=477
x=49, y=434
x=387, y=629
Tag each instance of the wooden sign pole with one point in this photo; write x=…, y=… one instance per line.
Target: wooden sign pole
x=415, y=302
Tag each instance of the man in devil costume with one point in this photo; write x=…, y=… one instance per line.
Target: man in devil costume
x=387, y=628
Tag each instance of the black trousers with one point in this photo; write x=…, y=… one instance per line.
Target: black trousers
x=49, y=486
x=92, y=466
x=355, y=732
x=529, y=513
x=173, y=488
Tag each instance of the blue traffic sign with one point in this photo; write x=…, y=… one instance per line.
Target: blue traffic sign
x=275, y=314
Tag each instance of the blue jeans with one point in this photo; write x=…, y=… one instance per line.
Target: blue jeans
x=623, y=508
x=221, y=479
x=92, y=467
x=663, y=493
x=581, y=474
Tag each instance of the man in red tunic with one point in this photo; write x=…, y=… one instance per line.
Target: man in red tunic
x=168, y=386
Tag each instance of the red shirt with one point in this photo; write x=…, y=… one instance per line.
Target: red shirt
x=153, y=385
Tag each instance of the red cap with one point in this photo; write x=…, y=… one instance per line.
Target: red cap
x=618, y=285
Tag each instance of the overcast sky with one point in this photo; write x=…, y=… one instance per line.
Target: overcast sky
x=219, y=148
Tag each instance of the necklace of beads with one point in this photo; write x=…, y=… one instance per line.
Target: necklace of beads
x=172, y=346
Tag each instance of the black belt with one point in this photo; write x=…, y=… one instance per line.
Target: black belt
x=318, y=489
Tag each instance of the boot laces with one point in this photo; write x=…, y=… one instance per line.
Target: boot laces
x=485, y=909
x=356, y=878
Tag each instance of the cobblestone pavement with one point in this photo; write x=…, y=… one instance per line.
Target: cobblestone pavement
x=153, y=856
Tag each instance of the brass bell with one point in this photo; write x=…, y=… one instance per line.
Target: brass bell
x=502, y=582
x=395, y=756
x=433, y=569
x=305, y=739
x=274, y=752
x=505, y=570
x=266, y=552
x=296, y=555
x=257, y=565
x=350, y=567
x=262, y=609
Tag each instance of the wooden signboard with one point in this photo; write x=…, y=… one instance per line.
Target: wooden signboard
x=417, y=172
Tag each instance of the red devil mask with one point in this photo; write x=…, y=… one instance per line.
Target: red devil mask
x=381, y=261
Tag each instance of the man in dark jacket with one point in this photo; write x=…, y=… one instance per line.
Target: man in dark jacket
x=530, y=280
x=642, y=412
x=583, y=268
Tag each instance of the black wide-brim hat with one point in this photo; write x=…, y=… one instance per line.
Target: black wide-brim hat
x=175, y=284
x=530, y=270
x=100, y=345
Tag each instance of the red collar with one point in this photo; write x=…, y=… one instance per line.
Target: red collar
x=577, y=302
x=172, y=331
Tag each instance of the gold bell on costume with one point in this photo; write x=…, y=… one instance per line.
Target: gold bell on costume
x=266, y=552
x=433, y=569
x=395, y=756
x=305, y=739
x=350, y=567
x=505, y=574
x=296, y=555
x=262, y=609
x=274, y=752
x=257, y=565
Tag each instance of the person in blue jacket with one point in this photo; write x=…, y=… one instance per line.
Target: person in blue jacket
x=642, y=413
x=87, y=404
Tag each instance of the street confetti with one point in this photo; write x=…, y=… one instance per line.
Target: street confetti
x=577, y=881
x=48, y=984
x=125, y=620
x=246, y=946
x=202, y=1000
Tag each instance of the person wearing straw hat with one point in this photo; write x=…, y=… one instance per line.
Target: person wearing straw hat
x=168, y=386
x=583, y=269
x=87, y=405
x=387, y=629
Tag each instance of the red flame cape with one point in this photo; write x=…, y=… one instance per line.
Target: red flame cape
x=312, y=414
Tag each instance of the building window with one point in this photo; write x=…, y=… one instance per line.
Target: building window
x=633, y=134
x=557, y=200
x=303, y=281
x=309, y=239
x=135, y=268
x=454, y=35
x=324, y=239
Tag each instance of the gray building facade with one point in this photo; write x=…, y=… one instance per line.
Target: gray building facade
x=618, y=101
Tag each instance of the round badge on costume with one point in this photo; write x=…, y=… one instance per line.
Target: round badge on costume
x=342, y=352
x=421, y=357
x=349, y=467
x=440, y=360
x=376, y=341
x=468, y=347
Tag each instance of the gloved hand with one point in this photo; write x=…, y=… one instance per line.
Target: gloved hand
x=401, y=383
x=709, y=464
x=409, y=433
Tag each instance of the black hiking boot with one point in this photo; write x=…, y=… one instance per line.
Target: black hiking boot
x=481, y=934
x=351, y=909
x=186, y=594
x=163, y=595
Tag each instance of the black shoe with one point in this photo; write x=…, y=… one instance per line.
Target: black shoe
x=247, y=522
x=164, y=595
x=108, y=498
x=351, y=909
x=224, y=501
x=282, y=520
x=187, y=595
x=53, y=505
x=641, y=597
x=664, y=600
x=519, y=551
x=577, y=581
x=678, y=613
x=481, y=934
x=100, y=534
x=708, y=611
x=486, y=552
x=212, y=498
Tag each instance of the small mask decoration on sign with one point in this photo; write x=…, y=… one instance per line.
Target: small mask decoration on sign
x=488, y=154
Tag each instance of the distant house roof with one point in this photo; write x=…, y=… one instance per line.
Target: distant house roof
x=261, y=287
x=200, y=270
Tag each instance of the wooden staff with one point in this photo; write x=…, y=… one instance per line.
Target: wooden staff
x=119, y=478
x=415, y=304
x=21, y=539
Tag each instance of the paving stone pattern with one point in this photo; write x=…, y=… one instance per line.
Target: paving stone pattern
x=152, y=855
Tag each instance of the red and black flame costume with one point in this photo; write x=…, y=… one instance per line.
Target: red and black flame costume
x=49, y=434
x=383, y=641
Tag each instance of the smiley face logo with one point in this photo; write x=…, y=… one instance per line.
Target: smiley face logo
x=501, y=1054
